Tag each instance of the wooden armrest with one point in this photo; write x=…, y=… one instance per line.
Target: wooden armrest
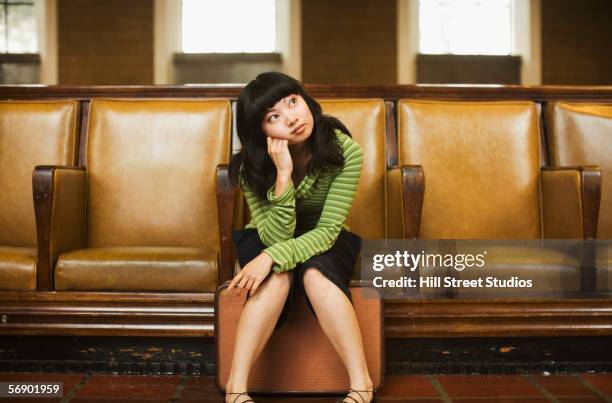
x=59, y=205
x=226, y=203
x=406, y=186
x=570, y=209
x=570, y=202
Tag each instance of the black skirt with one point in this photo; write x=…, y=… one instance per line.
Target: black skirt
x=337, y=263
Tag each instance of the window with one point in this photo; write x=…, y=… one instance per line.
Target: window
x=18, y=26
x=229, y=41
x=466, y=27
x=228, y=26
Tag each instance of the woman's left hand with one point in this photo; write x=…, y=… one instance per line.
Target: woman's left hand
x=253, y=274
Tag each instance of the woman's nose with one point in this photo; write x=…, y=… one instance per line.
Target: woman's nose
x=291, y=120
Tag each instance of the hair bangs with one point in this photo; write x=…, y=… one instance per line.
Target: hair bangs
x=267, y=90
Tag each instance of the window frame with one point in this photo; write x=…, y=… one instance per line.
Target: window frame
x=167, y=37
x=47, y=40
x=36, y=5
x=46, y=57
x=527, y=40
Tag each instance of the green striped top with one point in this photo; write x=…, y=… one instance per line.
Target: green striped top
x=304, y=222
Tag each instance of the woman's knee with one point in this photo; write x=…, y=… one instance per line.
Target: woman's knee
x=280, y=281
x=312, y=277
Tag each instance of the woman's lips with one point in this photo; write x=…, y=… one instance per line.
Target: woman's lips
x=300, y=129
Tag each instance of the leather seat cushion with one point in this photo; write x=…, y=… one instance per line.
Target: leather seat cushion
x=17, y=268
x=550, y=271
x=137, y=269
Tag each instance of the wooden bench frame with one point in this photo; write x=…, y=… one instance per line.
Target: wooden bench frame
x=48, y=312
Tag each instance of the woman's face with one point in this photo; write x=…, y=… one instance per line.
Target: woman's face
x=290, y=119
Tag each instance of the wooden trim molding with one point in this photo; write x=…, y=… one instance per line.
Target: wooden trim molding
x=226, y=204
x=387, y=92
x=107, y=314
x=19, y=58
x=491, y=318
x=83, y=126
x=591, y=199
x=413, y=188
x=42, y=182
x=391, y=134
x=192, y=315
x=590, y=181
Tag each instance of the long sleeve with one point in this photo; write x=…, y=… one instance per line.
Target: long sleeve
x=289, y=253
x=276, y=221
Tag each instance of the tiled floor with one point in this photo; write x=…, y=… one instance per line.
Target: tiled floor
x=84, y=388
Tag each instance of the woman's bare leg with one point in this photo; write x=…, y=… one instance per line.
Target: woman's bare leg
x=257, y=322
x=339, y=323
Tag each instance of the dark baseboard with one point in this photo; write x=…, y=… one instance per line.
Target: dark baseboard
x=195, y=356
x=495, y=355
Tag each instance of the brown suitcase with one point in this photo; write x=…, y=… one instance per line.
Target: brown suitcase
x=299, y=358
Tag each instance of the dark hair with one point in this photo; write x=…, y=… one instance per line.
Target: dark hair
x=252, y=165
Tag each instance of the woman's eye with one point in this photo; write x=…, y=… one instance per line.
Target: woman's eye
x=293, y=100
x=272, y=118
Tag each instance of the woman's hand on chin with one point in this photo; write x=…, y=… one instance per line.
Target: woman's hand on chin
x=278, y=149
x=253, y=274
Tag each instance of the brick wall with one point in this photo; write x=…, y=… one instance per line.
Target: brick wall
x=105, y=42
x=468, y=69
x=577, y=42
x=349, y=41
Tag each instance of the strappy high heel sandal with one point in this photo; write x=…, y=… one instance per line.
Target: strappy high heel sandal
x=241, y=393
x=352, y=398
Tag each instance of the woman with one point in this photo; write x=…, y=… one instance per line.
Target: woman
x=299, y=170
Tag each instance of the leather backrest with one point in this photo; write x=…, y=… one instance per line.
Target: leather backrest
x=151, y=168
x=481, y=162
x=581, y=134
x=365, y=118
x=31, y=133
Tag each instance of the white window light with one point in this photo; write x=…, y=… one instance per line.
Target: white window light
x=18, y=26
x=466, y=27
x=228, y=26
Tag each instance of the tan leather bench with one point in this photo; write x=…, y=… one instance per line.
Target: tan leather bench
x=149, y=213
x=476, y=170
x=89, y=302
x=31, y=133
x=581, y=134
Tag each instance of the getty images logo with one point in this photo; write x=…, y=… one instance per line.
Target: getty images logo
x=456, y=261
